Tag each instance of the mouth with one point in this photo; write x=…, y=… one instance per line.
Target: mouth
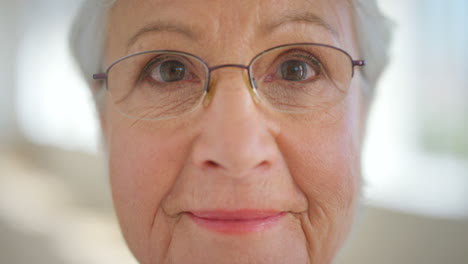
x=236, y=222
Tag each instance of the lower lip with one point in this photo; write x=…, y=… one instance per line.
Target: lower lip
x=236, y=223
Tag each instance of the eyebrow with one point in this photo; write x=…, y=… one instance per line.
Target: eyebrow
x=166, y=26
x=306, y=17
x=162, y=26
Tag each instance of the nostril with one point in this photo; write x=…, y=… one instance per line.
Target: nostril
x=211, y=164
x=237, y=170
x=263, y=165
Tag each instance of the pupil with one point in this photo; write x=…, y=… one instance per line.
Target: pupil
x=293, y=70
x=172, y=71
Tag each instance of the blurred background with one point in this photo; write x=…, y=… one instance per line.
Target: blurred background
x=54, y=197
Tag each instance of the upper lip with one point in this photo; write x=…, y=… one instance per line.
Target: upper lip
x=233, y=215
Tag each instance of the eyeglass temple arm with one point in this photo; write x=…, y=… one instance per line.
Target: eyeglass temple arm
x=100, y=76
x=103, y=76
x=359, y=63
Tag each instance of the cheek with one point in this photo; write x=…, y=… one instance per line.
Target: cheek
x=328, y=171
x=143, y=164
x=325, y=164
x=324, y=160
x=325, y=154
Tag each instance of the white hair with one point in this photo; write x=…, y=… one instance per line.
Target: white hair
x=373, y=29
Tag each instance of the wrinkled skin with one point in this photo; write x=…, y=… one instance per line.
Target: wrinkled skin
x=234, y=153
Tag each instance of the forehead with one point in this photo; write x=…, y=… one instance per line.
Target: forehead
x=246, y=24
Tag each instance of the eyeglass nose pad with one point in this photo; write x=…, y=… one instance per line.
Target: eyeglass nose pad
x=251, y=83
x=210, y=92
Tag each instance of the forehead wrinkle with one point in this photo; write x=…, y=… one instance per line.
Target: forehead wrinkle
x=162, y=26
x=301, y=17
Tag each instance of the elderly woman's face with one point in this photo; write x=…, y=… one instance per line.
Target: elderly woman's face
x=234, y=181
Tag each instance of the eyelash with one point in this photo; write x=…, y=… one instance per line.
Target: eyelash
x=152, y=63
x=311, y=60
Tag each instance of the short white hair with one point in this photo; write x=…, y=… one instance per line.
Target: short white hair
x=88, y=35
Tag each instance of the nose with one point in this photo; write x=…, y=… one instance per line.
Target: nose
x=236, y=137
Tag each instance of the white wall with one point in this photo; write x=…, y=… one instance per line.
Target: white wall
x=8, y=43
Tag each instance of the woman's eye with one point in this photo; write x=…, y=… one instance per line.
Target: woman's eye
x=169, y=71
x=296, y=70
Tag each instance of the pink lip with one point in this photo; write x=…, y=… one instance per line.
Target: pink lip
x=236, y=222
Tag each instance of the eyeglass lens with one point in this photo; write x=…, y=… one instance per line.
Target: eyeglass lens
x=161, y=85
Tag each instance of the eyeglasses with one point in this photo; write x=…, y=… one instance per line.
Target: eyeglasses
x=292, y=78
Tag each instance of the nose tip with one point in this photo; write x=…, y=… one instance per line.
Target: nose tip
x=236, y=138
x=236, y=159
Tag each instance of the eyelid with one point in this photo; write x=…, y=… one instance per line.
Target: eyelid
x=305, y=55
x=162, y=58
x=157, y=60
x=319, y=66
x=298, y=53
x=308, y=58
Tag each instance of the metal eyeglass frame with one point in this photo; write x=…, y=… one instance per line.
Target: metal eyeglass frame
x=253, y=89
